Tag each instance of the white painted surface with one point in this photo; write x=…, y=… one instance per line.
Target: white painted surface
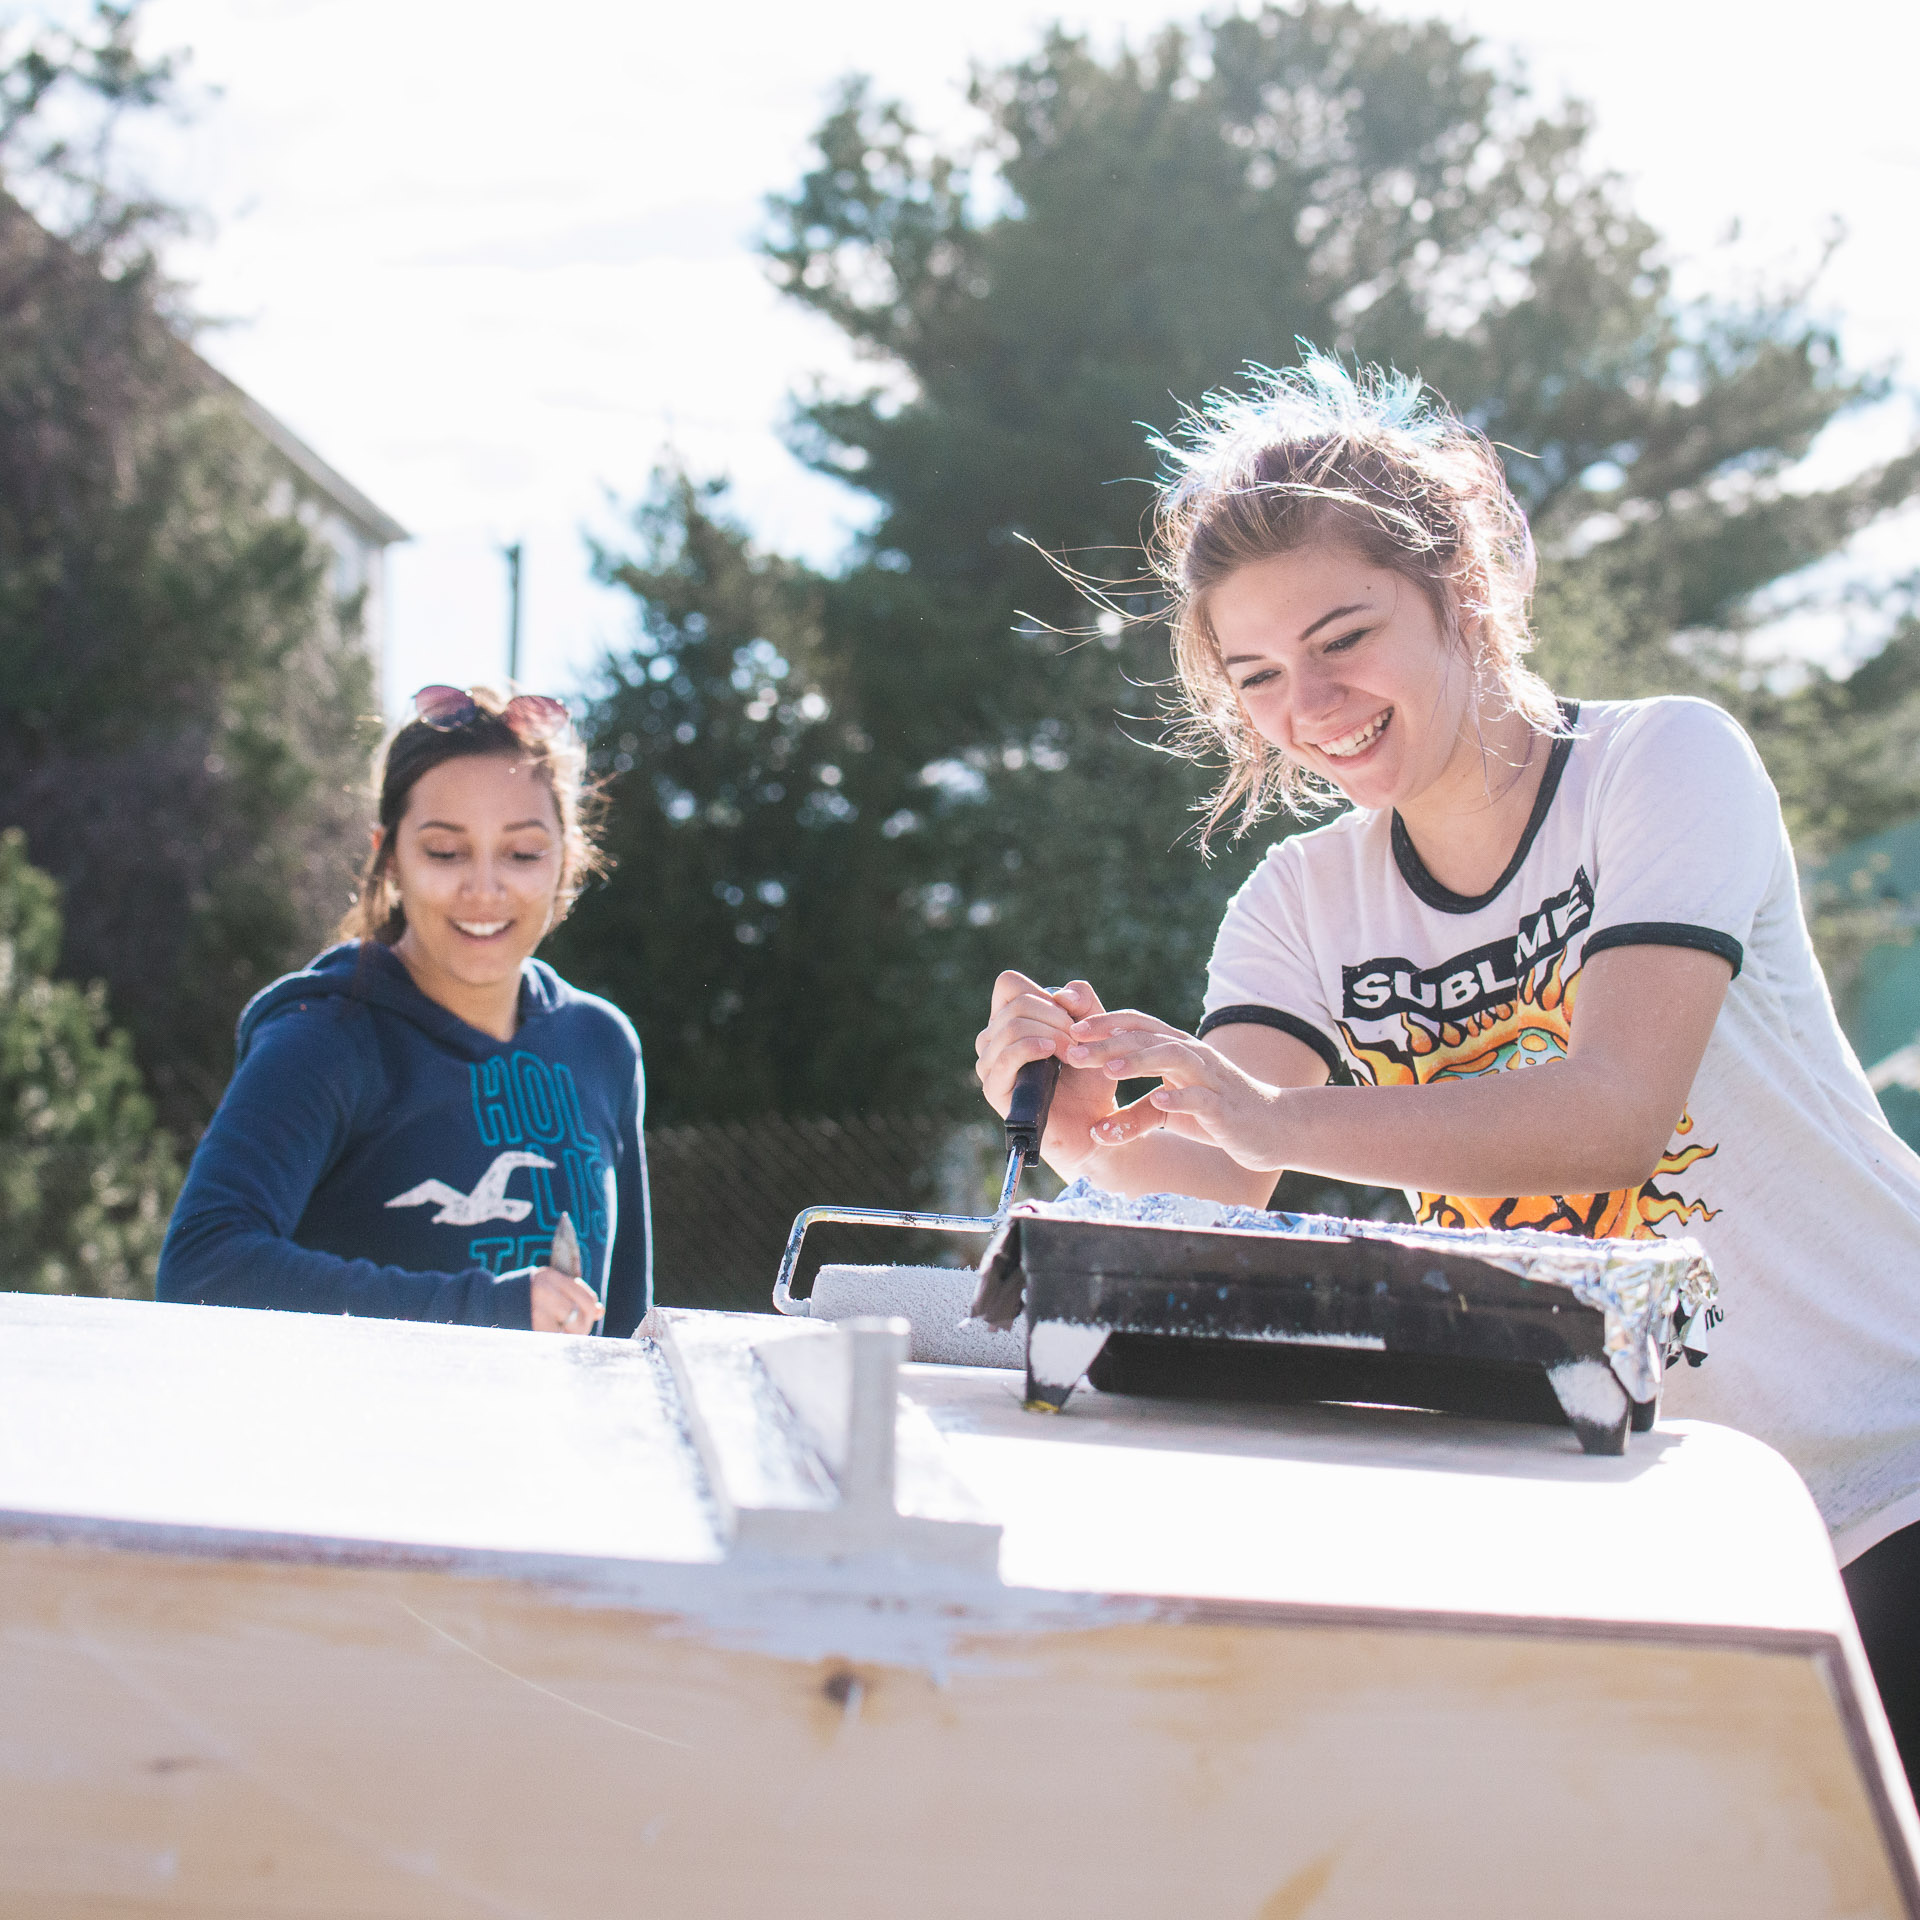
x=1377, y=1508
x=1060, y=1351
x=287, y=1424
x=1589, y=1390
x=1477, y=1658
x=810, y=1450
x=814, y=1375
x=294, y=1423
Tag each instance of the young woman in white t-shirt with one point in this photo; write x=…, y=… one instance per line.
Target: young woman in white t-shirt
x=1516, y=881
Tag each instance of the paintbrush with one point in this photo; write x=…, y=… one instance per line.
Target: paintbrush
x=564, y=1255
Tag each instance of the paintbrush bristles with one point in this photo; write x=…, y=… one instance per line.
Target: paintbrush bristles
x=564, y=1256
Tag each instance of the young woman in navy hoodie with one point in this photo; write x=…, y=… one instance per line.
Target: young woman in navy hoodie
x=411, y=1114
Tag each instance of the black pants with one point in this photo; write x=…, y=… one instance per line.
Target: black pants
x=1884, y=1586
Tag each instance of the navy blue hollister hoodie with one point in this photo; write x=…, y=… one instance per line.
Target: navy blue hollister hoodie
x=376, y=1155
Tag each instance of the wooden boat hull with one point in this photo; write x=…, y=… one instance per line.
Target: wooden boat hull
x=197, y=1717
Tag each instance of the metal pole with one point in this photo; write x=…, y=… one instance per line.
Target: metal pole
x=513, y=612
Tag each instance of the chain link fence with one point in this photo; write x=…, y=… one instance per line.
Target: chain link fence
x=725, y=1195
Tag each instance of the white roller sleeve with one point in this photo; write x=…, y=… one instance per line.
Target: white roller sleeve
x=935, y=1300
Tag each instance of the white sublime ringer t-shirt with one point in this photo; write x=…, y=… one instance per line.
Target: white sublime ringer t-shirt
x=1655, y=825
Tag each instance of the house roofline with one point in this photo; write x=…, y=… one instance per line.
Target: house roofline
x=375, y=522
x=372, y=520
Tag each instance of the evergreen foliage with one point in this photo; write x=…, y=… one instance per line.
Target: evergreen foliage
x=746, y=926
x=1128, y=232
x=86, y=1178
x=180, y=694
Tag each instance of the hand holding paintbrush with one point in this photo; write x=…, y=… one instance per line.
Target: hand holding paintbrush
x=562, y=1301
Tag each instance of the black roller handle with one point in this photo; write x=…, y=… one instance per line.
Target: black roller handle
x=1027, y=1111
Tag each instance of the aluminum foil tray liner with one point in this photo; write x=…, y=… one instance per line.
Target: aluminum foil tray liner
x=1654, y=1294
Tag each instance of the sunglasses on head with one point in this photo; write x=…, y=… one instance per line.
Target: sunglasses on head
x=531, y=716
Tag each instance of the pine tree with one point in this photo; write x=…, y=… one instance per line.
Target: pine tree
x=738, y=928
x=86, y=1178
x=1128, y=232
x=180, y=695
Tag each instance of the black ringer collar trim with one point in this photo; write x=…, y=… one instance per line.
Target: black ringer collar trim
x=1413, y=869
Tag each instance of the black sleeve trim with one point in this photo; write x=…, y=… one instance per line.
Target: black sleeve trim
x=1667, y=933
x=1290, y=1023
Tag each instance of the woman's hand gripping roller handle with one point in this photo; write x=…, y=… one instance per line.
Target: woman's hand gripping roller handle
x=1026, y=1127
x=1027, y=1114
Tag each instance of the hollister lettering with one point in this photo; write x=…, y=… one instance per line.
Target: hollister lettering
x=1486, y=976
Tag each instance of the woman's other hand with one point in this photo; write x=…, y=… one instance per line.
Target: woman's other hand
x=562, y=1304
x=1029, y=1023
x=1203, y=1095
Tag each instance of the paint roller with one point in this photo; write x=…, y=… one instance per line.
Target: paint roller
x=935, y=1300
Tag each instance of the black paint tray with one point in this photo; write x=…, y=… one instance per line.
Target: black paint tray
x=1356, y=1315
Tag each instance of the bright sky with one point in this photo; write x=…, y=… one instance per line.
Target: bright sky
x=490, y=261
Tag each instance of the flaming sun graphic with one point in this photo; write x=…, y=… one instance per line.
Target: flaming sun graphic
x=1531, y=1030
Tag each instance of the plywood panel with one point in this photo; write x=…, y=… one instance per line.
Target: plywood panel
x=222, y=1738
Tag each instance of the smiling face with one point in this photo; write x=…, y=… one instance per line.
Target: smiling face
x=1344, y=666
x=478, y=860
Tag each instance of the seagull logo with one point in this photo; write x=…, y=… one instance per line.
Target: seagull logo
x=487, y=1201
